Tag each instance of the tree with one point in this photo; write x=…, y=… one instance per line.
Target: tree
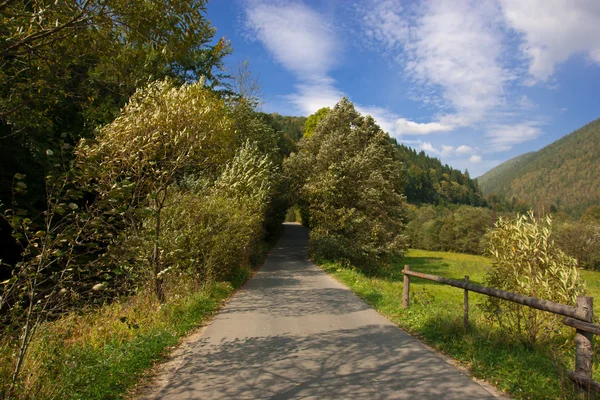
x=313, y=120
x=349, y=179
x=163, y=132
x=69, y=66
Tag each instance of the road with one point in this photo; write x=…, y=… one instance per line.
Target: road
x=294, y=332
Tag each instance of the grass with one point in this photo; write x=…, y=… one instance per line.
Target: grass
x=524, y=371
x=103, y=353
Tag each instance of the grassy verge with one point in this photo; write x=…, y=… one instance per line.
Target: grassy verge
x=435, y=315
x=101, y=353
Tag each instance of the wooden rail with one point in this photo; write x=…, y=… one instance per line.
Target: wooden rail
x=579, y=317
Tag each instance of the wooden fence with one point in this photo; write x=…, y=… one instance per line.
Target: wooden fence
x=579, y=317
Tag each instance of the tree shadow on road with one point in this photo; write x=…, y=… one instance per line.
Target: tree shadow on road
x=372, y=361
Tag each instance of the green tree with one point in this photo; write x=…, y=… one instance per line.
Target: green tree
x=313, y=120
x=69, y=66
x=348, y=177
x=162, y=133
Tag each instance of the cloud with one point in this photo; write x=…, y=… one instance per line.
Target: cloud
x=297, y=37
x=503, y=137
x=525, y=103
x=455, y=47
x=553, y=31
x=405, y=127
x=464, y=149
x=564, y=109
x=475, y=159
x=428, y=147
x=447, y=151
x=310, y=97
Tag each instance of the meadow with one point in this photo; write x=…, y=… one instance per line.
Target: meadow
x=435, y=315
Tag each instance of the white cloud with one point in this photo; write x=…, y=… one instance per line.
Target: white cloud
x=503, y=137
x=427, y=146
x=311, y=97
x=298, y=37
x=475, y=159
x=564, y=109
x=454, y=46
x=447, y=151
x=406, y=127
x=554, y=30
x=526, y=103
x=464, y=149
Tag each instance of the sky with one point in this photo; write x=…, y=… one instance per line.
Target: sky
x=474, y=83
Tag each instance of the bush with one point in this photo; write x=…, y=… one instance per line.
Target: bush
x=580, y=240
x=525, y=260
x=456, y=228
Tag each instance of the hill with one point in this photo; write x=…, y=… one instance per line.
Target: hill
x=428, y=181
x=565, y=174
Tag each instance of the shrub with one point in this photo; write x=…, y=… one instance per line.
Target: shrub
x=580, y=240
x=525, y=260
x=458, y=228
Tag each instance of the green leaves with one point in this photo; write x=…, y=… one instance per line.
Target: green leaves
x=347, y=179
x=526, y=261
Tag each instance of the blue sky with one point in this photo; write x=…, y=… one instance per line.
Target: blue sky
x=473, y=83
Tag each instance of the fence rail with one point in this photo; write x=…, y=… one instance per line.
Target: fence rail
x=579, y=317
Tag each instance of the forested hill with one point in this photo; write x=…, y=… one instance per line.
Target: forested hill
x=565, y=174
x=293, y=127
x=429, y=181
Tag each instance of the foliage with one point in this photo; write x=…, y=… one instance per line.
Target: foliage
x=162, y=133
x=69, y=66
x=429, y=181
x=213, y=233
x=564, y=174
x=525, y=260
x=313, y=120
x=348, y=181
x=458, y=228
x=580, y=240
x=102, y=353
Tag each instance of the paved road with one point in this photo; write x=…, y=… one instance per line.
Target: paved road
x=295, y=332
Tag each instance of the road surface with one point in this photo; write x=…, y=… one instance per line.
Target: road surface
x=294, y=332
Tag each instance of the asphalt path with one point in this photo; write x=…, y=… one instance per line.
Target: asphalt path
x=294, y=332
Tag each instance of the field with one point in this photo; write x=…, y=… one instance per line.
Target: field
x=435, y=316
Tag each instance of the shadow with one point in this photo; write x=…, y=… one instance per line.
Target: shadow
x=370, y=362
x=295, y=302
x=293, y=332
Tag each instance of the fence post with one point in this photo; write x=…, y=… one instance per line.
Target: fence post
x=406, y=291
x=583, y=341
x=466, y=306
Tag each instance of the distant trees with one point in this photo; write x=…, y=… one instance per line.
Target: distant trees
x=348, y=179
x=455, y=228
x=313, y=120
x=565, y=174
x=428, y=181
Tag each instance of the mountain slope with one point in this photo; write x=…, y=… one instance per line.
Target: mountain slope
x=565, y=173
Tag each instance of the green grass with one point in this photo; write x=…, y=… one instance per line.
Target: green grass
x=435, y=316
x=103, y=353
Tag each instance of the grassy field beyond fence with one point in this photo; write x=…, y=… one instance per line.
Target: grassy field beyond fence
x=435, y=315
